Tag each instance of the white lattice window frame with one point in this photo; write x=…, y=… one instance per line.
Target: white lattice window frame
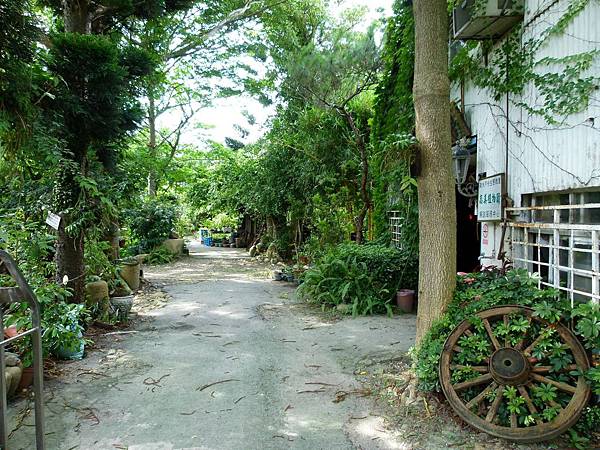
x=551, y=236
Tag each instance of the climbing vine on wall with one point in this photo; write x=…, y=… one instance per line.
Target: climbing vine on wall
x=392, y=131
x=562, y=86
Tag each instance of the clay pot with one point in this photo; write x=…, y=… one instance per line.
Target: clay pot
x=10, y=331
x=26, y=378
x=405, y=299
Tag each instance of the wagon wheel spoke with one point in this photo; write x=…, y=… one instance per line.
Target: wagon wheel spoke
x=505, y=320
x=548, y=369
x=480, y=369
x=478, y=399
x=560, y=385
x=554, y=404
x=471, y=383
x=528, y=401
x=531, y=346
x=513, y=420
x=490, y=333
x=493, y=411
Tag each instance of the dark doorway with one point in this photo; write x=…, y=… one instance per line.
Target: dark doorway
x=467, y=234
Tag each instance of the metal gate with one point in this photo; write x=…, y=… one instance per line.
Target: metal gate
x=8, y=295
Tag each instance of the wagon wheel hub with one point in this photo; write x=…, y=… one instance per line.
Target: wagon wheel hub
x=509, y=367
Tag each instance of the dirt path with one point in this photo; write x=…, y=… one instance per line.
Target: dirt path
x=232, y=361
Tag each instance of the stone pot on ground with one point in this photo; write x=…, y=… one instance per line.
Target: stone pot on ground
x=175, y=246
x=272, y=254
x=97, y=297
x=130, y=272
x=122, y=307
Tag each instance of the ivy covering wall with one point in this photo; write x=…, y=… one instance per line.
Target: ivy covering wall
x=393, y=126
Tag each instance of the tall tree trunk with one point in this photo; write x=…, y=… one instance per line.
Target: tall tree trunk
x=69, y=255
x=76, y=15
x=364, y=178
x=437, y=202
x=152, y=142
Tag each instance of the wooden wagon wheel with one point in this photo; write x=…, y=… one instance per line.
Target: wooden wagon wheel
x=518, y=377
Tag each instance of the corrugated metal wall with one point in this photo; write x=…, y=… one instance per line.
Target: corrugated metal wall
x=542, y=157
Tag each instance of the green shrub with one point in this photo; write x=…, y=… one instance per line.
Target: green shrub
x=150, y=224
x=98, y=263
x=366, y=277
x=160, y=255
x=479, y=291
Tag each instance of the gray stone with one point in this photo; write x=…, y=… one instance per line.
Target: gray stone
x=343, y=308
x=13, y=378
x=12, y=359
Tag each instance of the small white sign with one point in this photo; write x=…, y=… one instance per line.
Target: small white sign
x=490, y=198
x=53, y=220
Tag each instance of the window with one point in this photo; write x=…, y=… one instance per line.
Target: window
x=557, y=235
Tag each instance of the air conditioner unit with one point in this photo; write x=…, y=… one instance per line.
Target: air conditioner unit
x=485, y=19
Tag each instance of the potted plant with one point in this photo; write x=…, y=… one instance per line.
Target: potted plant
x=63, y=328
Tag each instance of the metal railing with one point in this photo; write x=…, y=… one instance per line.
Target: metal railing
x=558, y=243
x=8, y=295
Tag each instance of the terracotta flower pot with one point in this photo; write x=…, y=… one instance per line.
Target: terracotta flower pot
x=26, y=378
x=405, y=299
x=10, y=331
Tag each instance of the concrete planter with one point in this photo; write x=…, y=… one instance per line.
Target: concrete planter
x=175, y=246
x=141, y=257
x=96, y=292
x=130, y=272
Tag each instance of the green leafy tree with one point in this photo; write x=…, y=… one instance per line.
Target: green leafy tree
x=335, y=70
x=94, y=103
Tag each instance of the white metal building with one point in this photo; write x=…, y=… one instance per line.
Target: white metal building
x=551, y=222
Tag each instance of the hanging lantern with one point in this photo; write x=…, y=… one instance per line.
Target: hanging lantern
x=461, y=157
